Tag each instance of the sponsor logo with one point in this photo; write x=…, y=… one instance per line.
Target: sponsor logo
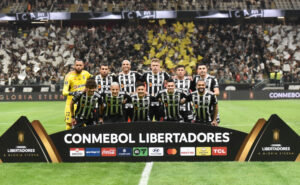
x=276, y=135
x=140, y=151
x=108, y=152
x=187, y=151
x=283, y=95
x=138, y=15
x=203, y=151
x=219, y=151
x=124, y=152
x=77, y=152
x=92, y=152
x=171, y=151
x=20, y=137
x=275, y=146
x=156, y=151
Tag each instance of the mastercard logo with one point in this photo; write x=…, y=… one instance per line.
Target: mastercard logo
x=171, y=151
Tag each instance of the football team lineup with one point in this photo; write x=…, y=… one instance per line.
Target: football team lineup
x=150, y=173
x=130, y=96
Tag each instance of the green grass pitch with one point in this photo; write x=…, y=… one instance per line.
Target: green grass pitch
x=238, y=115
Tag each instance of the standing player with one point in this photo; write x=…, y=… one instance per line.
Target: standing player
x=114, y=100
x=104, y=79
x=155, y=80
x=141, y=104
x=205, y=105
x=74, y=81
x=183, y=83
x=127, y=80
x=210, y=81
x=88, y=105
x=171, y=98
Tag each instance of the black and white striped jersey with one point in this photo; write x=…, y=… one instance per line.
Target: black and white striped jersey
x=202, y=105
x=87, y=106
x=141, y=107
x=104, y=83
x=184, y=85
x=114, y=105
x=171, y=104
x=155, y=82
x=210, y=81
x=128, y=81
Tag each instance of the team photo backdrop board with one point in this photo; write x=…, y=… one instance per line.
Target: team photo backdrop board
x=271, y=140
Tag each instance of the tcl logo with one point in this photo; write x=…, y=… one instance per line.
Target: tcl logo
x=220, y=151
x=108, y=152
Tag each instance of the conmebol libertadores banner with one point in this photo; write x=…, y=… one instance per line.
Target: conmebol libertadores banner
x=271, y=140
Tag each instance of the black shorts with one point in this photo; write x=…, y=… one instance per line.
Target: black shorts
x=83, y=122
x=114, y=119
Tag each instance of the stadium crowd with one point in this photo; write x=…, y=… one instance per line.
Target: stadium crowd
x=235, y=54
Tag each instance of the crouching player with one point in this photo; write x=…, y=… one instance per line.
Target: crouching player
x=113, y=110
x=171, y=99
x=141, y=104
x=88, y=105
x=205, y=105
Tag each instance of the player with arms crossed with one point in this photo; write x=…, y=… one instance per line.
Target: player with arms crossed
x=205, y=105
x=88, y=105
x=74, y=81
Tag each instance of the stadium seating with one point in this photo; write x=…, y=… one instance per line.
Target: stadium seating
x=235, y=54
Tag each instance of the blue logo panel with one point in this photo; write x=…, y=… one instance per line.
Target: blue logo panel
x=92, y=152
x=124, y=152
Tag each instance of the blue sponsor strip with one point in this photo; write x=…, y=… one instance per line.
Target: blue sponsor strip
x=92, y=152
x=124, y=152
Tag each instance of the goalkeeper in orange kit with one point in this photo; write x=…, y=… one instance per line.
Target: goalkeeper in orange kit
x=74, y=81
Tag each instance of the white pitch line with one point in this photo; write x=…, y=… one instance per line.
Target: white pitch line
x=146, y=174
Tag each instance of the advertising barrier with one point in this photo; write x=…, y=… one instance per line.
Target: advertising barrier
x=271, y=140
x=258, y=95
x=236, y=14
x=32, y=96
x=224, y=95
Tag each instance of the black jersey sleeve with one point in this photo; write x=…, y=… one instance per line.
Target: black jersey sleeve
x=77, y=96
x=214, y=83
x=166, y=76
x=214, y=100
x=193, y=84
